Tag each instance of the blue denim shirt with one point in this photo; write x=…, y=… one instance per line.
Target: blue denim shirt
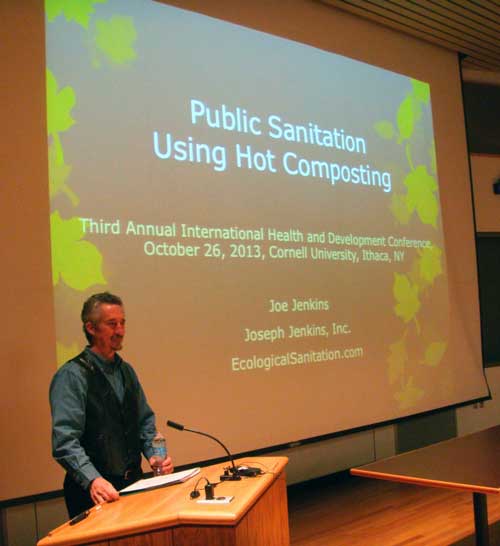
x=68, y=399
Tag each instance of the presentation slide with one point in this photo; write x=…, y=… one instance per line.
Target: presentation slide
x=270, y=214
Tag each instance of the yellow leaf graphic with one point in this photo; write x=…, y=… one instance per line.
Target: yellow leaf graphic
x=406, y=295
x=399, y=208
x=432, y=156
x=58, y=175
x=78, y=263
x=421, y=91
x=414, y=274
x=384, y=129
x=79, y=11
x=115, y=39
x=434, y=353
x=421, y=188
x=65, y=352
x=59, y=106
x=397, y=359
x=409, y=395
x=430, y=263
x=406, y=118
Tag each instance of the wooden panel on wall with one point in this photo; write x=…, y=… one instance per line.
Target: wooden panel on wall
x=20, y=525
x=27, y=351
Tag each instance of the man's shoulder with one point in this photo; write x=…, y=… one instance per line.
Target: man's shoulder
x=70, y=375
x=74, y=366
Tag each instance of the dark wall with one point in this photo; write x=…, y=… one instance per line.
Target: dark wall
x=482, y=114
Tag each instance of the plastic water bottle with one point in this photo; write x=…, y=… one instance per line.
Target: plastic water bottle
x=159, y=453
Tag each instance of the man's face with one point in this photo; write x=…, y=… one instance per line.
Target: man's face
x=107, y=330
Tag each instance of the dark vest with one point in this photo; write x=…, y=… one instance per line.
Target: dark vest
x=111, y=435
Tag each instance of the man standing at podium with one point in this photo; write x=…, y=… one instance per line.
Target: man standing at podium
x=101, y=421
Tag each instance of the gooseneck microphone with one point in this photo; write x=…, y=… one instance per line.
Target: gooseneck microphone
x=229, y=475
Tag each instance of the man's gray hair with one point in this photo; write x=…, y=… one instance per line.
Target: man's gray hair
x=91, y=307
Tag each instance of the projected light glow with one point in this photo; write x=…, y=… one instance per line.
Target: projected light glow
x=269, y=213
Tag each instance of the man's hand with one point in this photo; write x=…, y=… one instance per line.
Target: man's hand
x=102, y=491
x=166, y=466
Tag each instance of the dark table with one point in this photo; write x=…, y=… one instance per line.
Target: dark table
x=469, y=463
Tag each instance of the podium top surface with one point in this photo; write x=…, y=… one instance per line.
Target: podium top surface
x=468, y=463
x=171, y=506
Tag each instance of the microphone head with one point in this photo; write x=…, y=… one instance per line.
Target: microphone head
x=175, y=425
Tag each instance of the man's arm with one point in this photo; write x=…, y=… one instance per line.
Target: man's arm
x=146, y=419
x=147, y=429
x=102, y=491
x=68, y=398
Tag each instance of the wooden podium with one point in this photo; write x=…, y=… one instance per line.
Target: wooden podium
x=257, y=515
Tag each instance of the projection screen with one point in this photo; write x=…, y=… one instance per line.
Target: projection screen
x=281, y=198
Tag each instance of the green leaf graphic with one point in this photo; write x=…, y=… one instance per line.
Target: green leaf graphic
x=384, y=129
x=430, y=263
x=405, y=119
x=78, y=263
x=59, y=106
x=58, y=176
x=434, y=353
x=406, y=295
x=409, y=395
x=397, y=360
x=399, y=208
x=74, y=10
x=116, y=38
x=414, y=285
x=64, y=353
x=421, y=91
x=432, y=156
x=414, y=273
x=421, y=187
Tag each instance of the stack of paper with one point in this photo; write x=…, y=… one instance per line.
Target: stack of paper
x=160, y=481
